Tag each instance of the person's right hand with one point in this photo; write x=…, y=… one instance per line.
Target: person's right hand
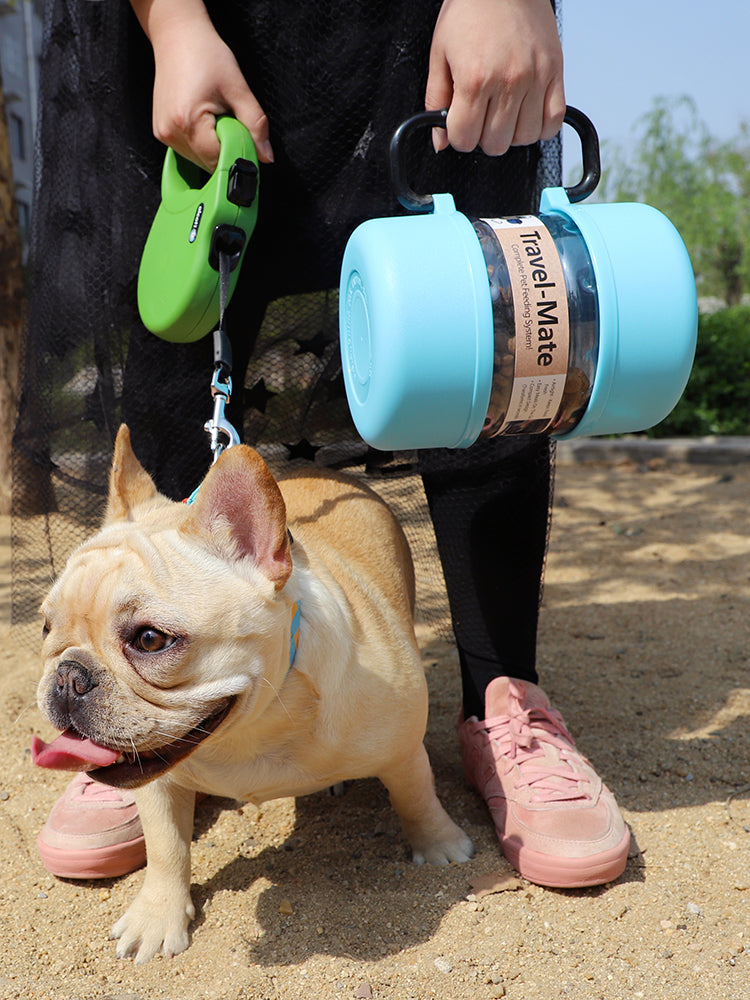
x=197, y=78
x=497, y=65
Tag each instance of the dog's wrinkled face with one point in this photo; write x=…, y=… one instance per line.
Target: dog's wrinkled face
x=160, y=623
x=129, y=668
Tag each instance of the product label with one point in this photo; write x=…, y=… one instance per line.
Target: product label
x=196, y=222
x=540, y=306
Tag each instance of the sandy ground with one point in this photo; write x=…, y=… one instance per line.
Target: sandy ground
x=643, y=647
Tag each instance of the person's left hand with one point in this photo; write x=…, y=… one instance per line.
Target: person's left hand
x=497, y=66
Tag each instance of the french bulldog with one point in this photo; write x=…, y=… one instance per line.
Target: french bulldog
x=256, y=643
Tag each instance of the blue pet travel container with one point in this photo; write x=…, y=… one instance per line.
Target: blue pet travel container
x=579, y=320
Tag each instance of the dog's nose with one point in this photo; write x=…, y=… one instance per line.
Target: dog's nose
x=73, y=679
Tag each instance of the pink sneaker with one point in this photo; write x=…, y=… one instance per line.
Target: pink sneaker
x=93, y=831
x=557, y=823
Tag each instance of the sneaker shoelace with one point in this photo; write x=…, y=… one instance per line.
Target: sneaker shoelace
x=94, y=791
x=521, y=740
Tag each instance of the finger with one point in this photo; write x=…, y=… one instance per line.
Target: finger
x=465, y=121
x=499, y=126
x=247, y=110
x=204, y=145
x=192, y=140
x=438, y=95
x=529, y=120
x=554, y=110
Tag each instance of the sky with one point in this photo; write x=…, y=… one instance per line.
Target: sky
x=620, y=54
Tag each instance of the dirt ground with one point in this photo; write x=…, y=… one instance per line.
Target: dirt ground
x=643, y=646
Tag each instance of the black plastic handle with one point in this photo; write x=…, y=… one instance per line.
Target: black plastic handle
x=592, y=167
x=584, y=127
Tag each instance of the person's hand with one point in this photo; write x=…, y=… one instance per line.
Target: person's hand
x=197, y=78
x=497, y=66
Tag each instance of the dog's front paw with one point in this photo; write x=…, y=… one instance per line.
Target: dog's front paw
x=440, y=848
x=150, y=926
x=433, y=835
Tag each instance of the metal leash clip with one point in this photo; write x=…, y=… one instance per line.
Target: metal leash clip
x=218, y=425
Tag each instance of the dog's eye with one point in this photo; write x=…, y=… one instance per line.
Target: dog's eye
x=151, y=640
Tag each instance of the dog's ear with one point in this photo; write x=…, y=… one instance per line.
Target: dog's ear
x=129, y=483
x=239, y=509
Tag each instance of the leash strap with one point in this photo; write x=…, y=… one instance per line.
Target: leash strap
x=222, y=345
x=223, y=434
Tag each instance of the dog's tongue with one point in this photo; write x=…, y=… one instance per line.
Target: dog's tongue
x=71, y=752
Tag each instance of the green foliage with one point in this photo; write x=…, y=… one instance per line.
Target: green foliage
x=700, y=184
x=717, y=397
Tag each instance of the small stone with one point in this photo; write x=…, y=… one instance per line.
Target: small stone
x=4, y=796
x=364, y=992
x=443, y=965
x=285, y=908
x=694, y=909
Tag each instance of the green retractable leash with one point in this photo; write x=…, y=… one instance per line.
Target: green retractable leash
x=192, y=257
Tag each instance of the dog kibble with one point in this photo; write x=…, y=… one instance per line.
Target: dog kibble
x=511, y=313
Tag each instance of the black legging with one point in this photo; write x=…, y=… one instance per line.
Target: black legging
x=490, y=510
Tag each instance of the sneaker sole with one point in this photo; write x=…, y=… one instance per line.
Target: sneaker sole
x=96, y=862
x=568, y=873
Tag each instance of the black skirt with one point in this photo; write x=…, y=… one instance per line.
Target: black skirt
x=335, y=78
